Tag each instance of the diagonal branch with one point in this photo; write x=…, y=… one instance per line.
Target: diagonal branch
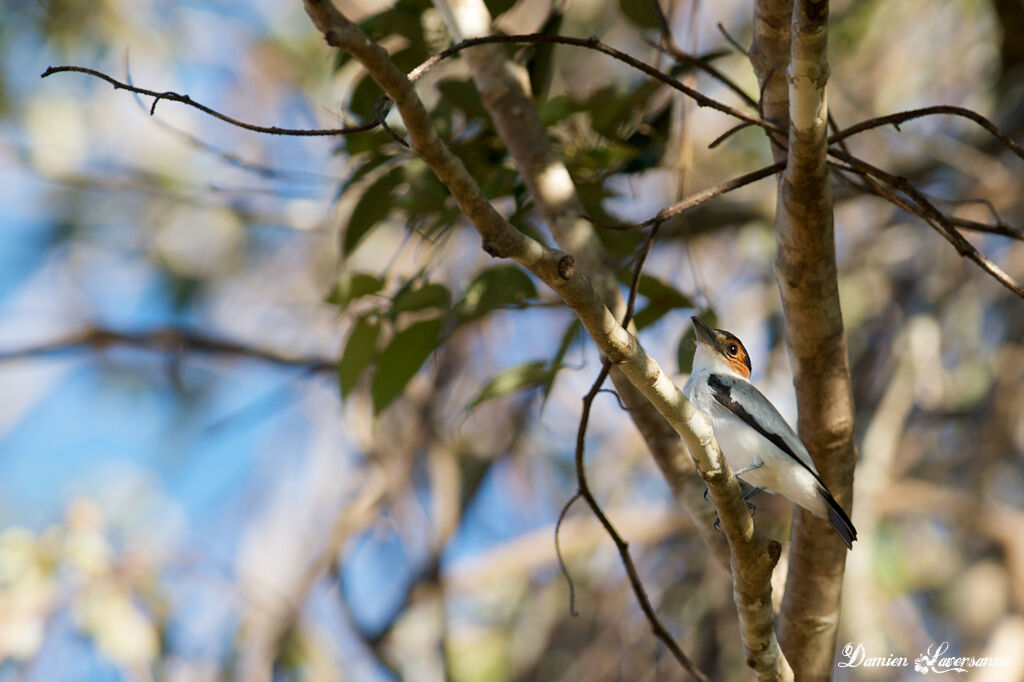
x=594, y=44
x=504, y=90
x=753, y=556
x=935, y=218
x=185, y=99
x=902, y=116
x=698, y=198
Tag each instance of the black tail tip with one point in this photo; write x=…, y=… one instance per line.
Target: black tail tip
x=839, y=520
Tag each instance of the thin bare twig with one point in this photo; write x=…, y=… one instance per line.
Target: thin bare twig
x=583, y=491
x=185, y=99
x=900, y=117
x=727, y=134
x=927, y=211
x=732, y=41
x=697, y=199
x=669, y=46
x=593, y=43
x=165, y=340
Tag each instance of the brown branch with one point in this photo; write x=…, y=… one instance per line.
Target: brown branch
x=592, y=43
x=935, y=218
x=698, y=198
x=732, y=41
x=999, y=228
x=165, y=340
x=753, y=556
x=727, y=134
x=503, y=88
x=185, y=99
x=669, y=46
x=769, y=55
x=902, y=116
x=623, y=548
x=583, y=490
x=806, y=272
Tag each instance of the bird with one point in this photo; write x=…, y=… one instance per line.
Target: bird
x=759, y=445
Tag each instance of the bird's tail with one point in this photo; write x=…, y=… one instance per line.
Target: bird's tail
x=838, y=518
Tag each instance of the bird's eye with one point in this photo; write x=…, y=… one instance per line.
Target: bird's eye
x=732, y=348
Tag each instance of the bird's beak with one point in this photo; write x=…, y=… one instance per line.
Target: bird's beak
x=704, y=333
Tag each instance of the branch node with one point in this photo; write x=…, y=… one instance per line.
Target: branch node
x=491, y=248
x=566, y=267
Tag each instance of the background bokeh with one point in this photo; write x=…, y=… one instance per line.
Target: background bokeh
x=185, y=496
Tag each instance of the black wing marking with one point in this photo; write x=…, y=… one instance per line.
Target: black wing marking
x=723, y=394
x=836, y=515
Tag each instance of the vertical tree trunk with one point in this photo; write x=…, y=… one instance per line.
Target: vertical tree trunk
x=806, y=272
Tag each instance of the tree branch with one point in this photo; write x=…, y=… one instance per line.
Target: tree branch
x=504, y=90
x=769, y=55
x=901, y=116
x=931, y=215
x=753, y=556
x=185, y=99
x=166, y=340
x=806, y=272
x=698, y=198
x=594, y=44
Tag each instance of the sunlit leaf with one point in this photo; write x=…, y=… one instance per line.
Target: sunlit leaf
x=420, y=298
x=514, y=379
x=373, y=206
x=357, y=354
x=688, y=342
x=495, y=288
x=398, y=363
x=352, y=285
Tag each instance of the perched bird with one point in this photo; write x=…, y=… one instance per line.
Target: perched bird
x=759, y=445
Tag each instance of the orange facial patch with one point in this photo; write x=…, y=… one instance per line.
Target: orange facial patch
x=735, y=354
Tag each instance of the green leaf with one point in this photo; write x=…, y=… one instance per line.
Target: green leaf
x=496, y=7
x=688, y=342
x=513, y=379
x=357, y=354
x=541, y=65
x=555, y=109
x=352, y=285
x=427, y=296
x=570, y=334
x=656, y=290
x=372, y=163
x=373, y=207
x=463, y=95
x=398, y=363
x=640, y=13
x=661, y=298
x=495, y=288
x=427, y=194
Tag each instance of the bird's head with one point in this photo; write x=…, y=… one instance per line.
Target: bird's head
x=719, y=351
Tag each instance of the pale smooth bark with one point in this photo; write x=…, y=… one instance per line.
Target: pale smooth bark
x=769, y=55
x=753, y=556
x=805, y=269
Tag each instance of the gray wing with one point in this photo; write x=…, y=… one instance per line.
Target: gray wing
x=749, y=404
